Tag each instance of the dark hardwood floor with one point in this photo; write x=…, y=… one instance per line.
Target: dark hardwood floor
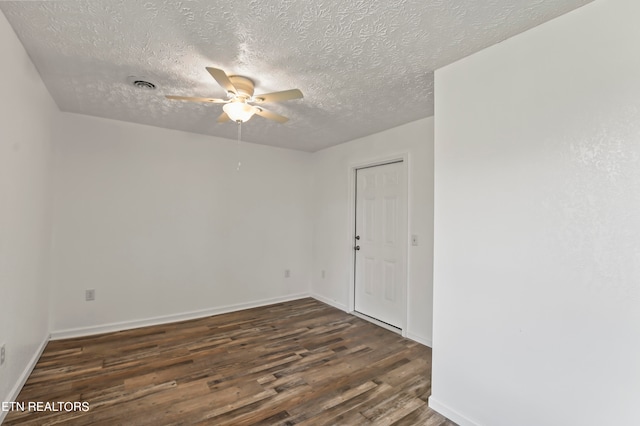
x=294, y=363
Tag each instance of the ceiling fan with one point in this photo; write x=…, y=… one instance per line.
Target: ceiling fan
x=240, y=98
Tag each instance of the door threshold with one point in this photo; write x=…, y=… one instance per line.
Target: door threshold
x=377, y=322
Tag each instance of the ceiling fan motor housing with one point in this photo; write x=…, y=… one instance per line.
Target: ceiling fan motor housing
x=244, y=86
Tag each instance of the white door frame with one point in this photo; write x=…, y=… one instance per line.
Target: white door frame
x=378, y=161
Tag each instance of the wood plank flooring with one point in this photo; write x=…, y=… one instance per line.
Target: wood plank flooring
x=294, y=363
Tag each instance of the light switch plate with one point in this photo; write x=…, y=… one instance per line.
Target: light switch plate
x=90, y=295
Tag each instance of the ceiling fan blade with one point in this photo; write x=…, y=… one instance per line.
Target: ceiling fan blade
x=192, y=99
x=272, y=116
x=222, y=79
x=285, y=95
x=223, y=117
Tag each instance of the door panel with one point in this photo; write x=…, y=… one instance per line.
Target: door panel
x=390, y=281
x=369, y=273
x=381, y=224
x=390, y=221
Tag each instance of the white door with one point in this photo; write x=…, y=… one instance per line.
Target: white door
x=380, y=242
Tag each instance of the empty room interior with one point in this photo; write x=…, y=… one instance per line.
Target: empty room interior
x=276, y=212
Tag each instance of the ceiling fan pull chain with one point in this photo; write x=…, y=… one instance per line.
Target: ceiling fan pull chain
x=238, y=145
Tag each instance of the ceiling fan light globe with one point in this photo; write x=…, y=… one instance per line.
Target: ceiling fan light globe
x=239, y=111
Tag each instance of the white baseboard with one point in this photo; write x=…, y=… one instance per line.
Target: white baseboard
x=330, y=302
x=415, y=337
x=420, y=339
x=15, y=391
x=127, y=325
x=450, y=413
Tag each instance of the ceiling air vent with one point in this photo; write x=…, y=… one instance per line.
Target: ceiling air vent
x=141, y=83
x=144, y=84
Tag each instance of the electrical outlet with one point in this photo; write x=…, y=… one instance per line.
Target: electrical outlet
x=90, y=295
x=3, y=354
x=287, y=273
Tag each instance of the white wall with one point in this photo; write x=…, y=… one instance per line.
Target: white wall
x=161, y=224
x=26, y=112
x=537, y=226
x=333, y=251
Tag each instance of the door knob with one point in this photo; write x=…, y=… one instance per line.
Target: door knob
x=356, y=248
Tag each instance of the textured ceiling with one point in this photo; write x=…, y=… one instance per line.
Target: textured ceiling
x=363, y=65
